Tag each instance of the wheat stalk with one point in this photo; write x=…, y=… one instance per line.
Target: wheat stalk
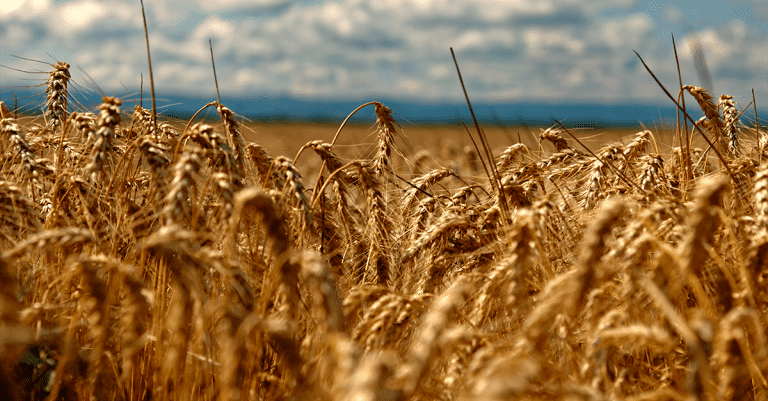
x=109, y=119
x=554, y=135
x=56, y=94
x=386, y=142
x=713, y=122
x=730, y=122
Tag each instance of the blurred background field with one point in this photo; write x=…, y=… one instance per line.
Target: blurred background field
x=287, y=138
x=436, y=145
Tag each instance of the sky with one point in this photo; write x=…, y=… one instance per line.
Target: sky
x=508, y=51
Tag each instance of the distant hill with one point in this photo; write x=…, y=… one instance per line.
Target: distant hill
x=284, y=108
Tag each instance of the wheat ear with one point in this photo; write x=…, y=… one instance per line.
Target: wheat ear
x=56, y=99
x=109, y=119
x=386, y=123
x=436, y=321
x=730, y=123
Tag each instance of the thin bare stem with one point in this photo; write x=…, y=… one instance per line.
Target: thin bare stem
x=757, y=125
x=218, y=98
x=687, y=158
x=149, y=61
x=494, y=178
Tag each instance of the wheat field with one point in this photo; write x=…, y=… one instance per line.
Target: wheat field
x=165, y=261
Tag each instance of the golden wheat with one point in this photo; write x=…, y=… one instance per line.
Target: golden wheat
x=138, y=263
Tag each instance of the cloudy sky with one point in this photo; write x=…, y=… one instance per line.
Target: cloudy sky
x=509, y=50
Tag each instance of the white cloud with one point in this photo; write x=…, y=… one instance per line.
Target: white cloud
x=630, y=31
x=24, y=10
x=9, y=6
x=82, y=14
x=208, y=5
x=346, y=48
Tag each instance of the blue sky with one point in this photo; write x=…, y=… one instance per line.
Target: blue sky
x=543, y=50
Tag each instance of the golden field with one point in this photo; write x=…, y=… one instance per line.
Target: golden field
x=447, y=145
x=195, y=261
x=287, y=138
